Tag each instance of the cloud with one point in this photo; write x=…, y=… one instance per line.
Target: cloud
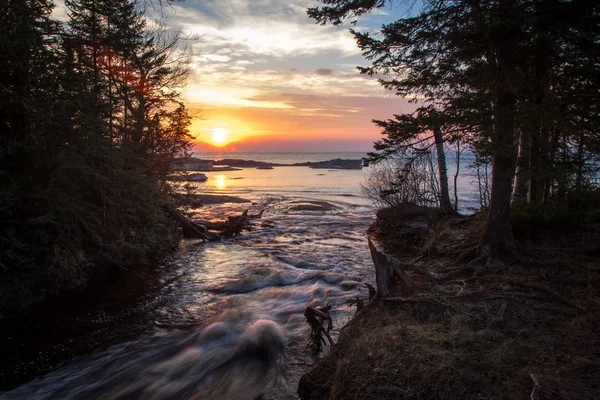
x=324, y=71
x=262, y=27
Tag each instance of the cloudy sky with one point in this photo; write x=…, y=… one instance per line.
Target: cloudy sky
x=267, y=78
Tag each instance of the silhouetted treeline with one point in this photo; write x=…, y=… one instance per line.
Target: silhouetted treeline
x=516, y=81
x=90, y=119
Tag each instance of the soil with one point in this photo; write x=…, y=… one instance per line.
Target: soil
x=474, y=331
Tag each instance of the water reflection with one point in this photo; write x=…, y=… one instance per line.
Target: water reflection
x=219, y=182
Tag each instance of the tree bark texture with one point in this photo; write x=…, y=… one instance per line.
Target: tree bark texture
x=498, y=233
x=522, y=172
x=445, y=204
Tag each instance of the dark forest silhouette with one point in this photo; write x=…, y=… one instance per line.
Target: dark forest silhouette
x=91, y=118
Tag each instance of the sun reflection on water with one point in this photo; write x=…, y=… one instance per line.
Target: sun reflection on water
x=220, y=182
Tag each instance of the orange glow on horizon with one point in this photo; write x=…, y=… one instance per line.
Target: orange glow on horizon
x=219, y=136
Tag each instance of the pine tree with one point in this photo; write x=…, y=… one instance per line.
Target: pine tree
x=494, y=69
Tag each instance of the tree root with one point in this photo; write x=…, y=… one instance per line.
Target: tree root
x=467, y=269
x=320, y=324
x=549, y=292
x=488, y=295
x=466, y=255
x=420, y=299
x=537, y=388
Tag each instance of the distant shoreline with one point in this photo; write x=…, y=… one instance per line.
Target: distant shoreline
x=207, y=165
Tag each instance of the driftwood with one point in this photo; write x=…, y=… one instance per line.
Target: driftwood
x=190, y=229
x=320, y=325
x=236, y=224
x=200, y=229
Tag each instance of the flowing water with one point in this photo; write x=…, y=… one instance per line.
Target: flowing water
x=219, y=320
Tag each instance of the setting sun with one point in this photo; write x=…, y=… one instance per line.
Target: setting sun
x=219, y=136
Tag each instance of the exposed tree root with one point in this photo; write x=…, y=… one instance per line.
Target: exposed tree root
x=418, y=299
x=537, y=388
x=467, y=255
x=320, y=324
x=549, y=292
x=372, y=291
x=468, y=269
x=489, y=295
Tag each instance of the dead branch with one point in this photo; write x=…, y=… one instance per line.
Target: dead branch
x=320, y=324
x=537, y=388
x=236, y=224
x=360, y=304
x=189, y=229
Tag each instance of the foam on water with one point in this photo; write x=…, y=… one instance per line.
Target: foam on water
x=227, y=317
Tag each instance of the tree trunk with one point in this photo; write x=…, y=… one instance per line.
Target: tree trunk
x=458, y=153
x=498, y=233
x=535, y=168
x=549, y=178
x=522, y=172
x=445, y=204
x=580, y=165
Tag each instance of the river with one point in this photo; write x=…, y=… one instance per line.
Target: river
x=218, y=320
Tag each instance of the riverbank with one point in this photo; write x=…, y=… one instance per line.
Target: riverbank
x=524, y=329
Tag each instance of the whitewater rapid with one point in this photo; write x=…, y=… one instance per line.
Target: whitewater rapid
x=225, y=320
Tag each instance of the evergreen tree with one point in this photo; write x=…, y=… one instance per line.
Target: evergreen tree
x=493, y=69
x=78, y=195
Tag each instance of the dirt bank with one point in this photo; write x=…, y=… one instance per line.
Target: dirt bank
x=504, y=330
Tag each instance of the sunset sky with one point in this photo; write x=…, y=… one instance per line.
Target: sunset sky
x=267, y=78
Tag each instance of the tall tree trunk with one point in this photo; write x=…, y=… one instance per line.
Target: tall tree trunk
x=549, y=178
x=522, y=172
x=535, y=167
x=538, y=121
x=445, y=204
x=458, y=153
x=580, y=164
x=498, y=233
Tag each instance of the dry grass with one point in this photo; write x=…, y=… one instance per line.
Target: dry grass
x=415, y=351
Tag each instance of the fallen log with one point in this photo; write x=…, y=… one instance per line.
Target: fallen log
x=190, y=230
x=213, y=226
